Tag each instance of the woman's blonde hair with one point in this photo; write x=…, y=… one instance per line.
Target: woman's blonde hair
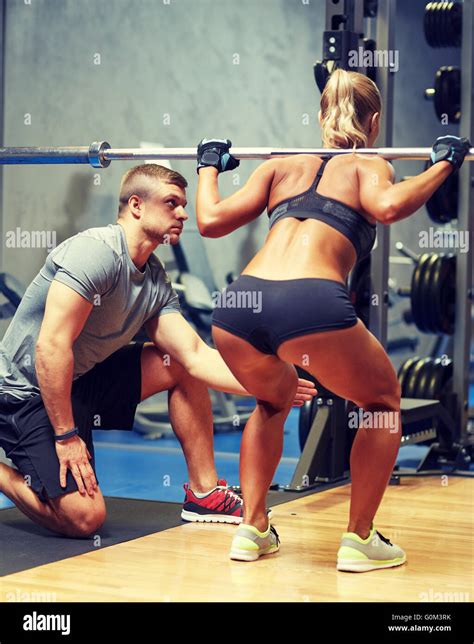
x=348, y=99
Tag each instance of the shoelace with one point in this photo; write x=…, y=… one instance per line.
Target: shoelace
x=228, y=492
x=272, y=530
x=384, y=539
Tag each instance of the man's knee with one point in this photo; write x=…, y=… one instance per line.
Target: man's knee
x=85, y=524
x=81, y=516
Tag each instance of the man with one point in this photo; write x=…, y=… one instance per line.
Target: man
x=67, y=364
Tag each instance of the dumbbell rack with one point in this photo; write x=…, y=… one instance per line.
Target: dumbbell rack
x=325, y=456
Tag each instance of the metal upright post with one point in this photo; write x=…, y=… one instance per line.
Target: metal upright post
x=464, y=288
x=379, y=262
x=2, y=95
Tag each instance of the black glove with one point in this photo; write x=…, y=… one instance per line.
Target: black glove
x=450, y=148
x=215, y=153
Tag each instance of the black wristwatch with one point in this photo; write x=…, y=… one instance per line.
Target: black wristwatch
x=62, y=437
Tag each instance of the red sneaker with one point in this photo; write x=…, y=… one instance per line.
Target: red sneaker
x=220, y=505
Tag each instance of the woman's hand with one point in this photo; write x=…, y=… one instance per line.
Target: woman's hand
x=215, y=153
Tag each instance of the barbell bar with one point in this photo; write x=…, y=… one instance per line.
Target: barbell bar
x=99, y=154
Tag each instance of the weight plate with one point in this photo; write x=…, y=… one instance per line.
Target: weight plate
x=426, y=293
x=417, y=313
x=447, y=97
x=413, y=378
x=404, y=372
x=442, y=206
x=447, y=380
x=435, y=382
x=448, y=295
x=433, y=295
x=427, y=24
x=424, y=378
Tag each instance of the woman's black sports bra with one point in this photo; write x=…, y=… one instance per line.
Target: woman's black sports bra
x=311, y=205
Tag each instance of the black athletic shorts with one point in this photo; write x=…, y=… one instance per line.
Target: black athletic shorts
x=105, y=397
x=268, y=312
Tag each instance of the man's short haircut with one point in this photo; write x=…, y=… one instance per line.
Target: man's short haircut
x=137, y=182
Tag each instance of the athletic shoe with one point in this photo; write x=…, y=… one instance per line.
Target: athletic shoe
x=249, y=543
x=220, y=505
x=360, y=555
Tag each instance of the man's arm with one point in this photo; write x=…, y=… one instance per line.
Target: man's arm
x=65, y=315
x=174, y=336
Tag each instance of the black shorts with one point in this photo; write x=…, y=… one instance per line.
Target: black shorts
x=105, y=397
x=268, y=312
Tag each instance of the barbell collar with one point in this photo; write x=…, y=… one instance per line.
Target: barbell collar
x=96, y=154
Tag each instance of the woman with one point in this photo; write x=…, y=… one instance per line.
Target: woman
x=322, y=216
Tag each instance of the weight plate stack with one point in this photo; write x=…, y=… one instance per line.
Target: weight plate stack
x=425, y=378
x=443, y=24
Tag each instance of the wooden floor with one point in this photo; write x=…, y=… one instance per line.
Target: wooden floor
x=431, y=521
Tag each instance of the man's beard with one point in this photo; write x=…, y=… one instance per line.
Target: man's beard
x=153, y=234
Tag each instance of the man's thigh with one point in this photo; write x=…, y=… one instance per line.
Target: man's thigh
x=159, y=372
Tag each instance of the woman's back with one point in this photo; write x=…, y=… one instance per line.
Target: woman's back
x=308, y=247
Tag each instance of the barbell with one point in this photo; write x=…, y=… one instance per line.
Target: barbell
x=100, y=154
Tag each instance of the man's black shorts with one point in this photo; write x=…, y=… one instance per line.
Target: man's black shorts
x=105, y=397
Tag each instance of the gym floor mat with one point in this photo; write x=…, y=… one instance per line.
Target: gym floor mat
x=26, y=545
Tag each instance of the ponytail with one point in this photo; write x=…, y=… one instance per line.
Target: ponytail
x=346, y=102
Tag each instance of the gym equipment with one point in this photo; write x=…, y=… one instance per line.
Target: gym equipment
x=446, y=93
x=432, y=292
x=359, y=290
x=12, y=290
x=443, y=24
x=324, y=456
x=100, y=154
x=442, y=206
x=426, y=378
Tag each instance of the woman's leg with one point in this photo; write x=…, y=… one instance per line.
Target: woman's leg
x=274, y=384
x=353, y=364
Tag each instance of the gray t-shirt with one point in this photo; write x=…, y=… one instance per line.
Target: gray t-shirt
x=97, y=265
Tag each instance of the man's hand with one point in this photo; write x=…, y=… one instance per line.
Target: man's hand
x=73, y=455
x=306, y=391
x=215, y=153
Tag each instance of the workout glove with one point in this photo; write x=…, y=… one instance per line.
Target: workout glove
x=215, y=153
x=450, y=148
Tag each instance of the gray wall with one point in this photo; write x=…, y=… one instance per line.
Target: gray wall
x=177, y=59
x=157, y=59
